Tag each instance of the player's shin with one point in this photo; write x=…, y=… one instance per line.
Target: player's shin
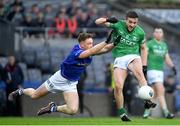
x=67, y=110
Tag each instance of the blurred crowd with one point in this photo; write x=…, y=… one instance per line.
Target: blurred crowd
x=11, y=78
x=65, y=18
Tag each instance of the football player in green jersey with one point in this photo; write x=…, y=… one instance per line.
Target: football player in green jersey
x=129, y=43
x=157, y=55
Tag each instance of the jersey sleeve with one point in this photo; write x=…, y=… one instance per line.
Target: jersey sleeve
x=142, y=38
x=166, y=48
x=77, y=53
x=113, y=25
x=148, y=45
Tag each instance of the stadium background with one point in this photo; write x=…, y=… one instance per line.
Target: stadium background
x=39, y=46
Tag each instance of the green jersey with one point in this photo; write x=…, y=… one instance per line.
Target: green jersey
x=130, y=41
x=156, y=54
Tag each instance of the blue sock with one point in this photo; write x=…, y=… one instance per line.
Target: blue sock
x=20, y=91
x=54, y=108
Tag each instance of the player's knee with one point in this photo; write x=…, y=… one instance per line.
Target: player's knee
x=74, y=110
x=34, y=96
x=161, y=91
x=118, y=88
x=119, y=84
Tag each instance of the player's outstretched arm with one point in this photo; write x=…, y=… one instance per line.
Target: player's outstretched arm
x=106, y=21
x=169, y=62
x=106, y=49
x=94, y=50
x=100, y=21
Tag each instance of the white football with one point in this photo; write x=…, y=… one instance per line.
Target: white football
x=146, y=92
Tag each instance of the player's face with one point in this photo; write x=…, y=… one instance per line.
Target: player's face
x=88, y=43
x=158, y=34
x=131, y=23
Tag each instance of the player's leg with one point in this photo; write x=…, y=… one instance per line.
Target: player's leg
x=33, y=93
x=70, y=107
x=58, y=83
x=119, y=77
x=136, y=67
x=44, y=89
x=72, y=103
x=159, y=87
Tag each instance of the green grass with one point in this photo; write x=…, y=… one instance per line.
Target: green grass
x=86, y=121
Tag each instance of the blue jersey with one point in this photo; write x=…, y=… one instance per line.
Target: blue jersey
x=73, y=66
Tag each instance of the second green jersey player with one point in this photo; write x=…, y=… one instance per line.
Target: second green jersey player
x=128, y=38
x=156, y=56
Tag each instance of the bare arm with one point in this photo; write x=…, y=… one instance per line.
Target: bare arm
x=168, y=60
x=144, y=54
x=102, y=21
x=93, y=50
x=106, y=49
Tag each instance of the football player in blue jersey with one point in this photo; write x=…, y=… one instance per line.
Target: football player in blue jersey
x=67, y=77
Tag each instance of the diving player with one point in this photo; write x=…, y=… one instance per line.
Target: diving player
x=67, y=77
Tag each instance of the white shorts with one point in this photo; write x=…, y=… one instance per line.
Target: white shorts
x=123, y=62
x=155, y=76
x=57, y=83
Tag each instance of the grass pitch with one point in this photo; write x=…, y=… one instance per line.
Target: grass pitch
x=86, y=121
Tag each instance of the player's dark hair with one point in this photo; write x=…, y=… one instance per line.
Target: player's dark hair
x=84, y=36
x=131, y=14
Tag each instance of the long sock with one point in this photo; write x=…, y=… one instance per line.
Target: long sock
x=146, y=113
x=20, y=91
x=121, y=112
x=54, y=108
x=166, y=112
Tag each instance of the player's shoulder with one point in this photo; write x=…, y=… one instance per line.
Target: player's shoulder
x=76, y=47
x=164, y=43
x=119, y=23
x=140, y=30
x=150, y=42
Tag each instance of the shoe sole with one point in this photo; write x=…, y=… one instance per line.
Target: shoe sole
x=44, y=109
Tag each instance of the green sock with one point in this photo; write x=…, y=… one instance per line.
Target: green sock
x=166, y=112
x=146, y=113
x=121, y=111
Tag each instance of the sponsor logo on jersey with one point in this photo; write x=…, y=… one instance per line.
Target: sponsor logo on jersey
x=82, y=64
x=158, y=50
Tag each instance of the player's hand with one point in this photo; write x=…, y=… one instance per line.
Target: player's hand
x=108, y=40
x=117, y=40
x=145, y=71
x=174, y=70
x=112, y=20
